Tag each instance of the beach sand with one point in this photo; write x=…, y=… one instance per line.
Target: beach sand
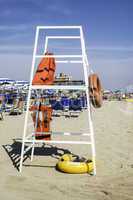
x=113, y=125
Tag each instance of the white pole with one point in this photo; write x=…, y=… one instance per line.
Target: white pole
x=46, y=45
x=33, y=147
x=37, y=116
x=88, y=101
x=28, y=100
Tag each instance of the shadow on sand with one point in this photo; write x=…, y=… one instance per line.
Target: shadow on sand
x=14, y=152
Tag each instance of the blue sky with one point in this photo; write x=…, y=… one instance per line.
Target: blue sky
x=107, y=24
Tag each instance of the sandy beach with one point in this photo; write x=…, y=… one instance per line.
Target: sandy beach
x=39, y=180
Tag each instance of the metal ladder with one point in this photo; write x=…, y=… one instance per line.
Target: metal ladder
x=66, y=59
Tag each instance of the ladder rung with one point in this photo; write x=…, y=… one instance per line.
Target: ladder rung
x=28, y=148
x=59, y=56
x=58, y=27
x=63, y=37
x=59, y=133
x=57, y=142
x=69, y=61
x=74, y=134
x=60, y=87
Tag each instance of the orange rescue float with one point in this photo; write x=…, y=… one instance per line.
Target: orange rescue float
x=95, y=90
x=45, y=71
x=41, y=116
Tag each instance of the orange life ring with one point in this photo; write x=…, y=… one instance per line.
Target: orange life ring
x=45, y=71
x=95, y=90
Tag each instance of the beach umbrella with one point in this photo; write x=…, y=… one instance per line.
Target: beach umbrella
x=50, y=92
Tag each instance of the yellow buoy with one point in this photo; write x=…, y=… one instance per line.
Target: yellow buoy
x=129, y=100
x=65, y=164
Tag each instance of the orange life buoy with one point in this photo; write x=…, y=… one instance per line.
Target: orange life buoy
x=41, y=117
x=95, y=90
x=45, y=71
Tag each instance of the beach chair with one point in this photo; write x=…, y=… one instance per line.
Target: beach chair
x=17, y=108
x=2, y=106
x=56, y=113
x=66, y=113
x=74, y=113
x=1, y=114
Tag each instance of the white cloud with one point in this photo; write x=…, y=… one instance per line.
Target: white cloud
x=59, y=8
x=17, y=27
x=15, y=48
x=110, y=48
x=15, y=66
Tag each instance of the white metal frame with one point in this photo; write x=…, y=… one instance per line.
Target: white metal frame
x=29, y=138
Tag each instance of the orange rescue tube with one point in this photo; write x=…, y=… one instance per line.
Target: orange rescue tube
x=41, y=117
x=95, y=90
x=45, y=71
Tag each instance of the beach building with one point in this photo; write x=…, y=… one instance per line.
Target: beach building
x=64, y=79
x=21, y=83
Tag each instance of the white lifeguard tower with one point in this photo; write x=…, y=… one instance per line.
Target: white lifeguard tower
x=67, y=58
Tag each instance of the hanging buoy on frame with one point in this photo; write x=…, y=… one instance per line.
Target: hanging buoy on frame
x=95, y=91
